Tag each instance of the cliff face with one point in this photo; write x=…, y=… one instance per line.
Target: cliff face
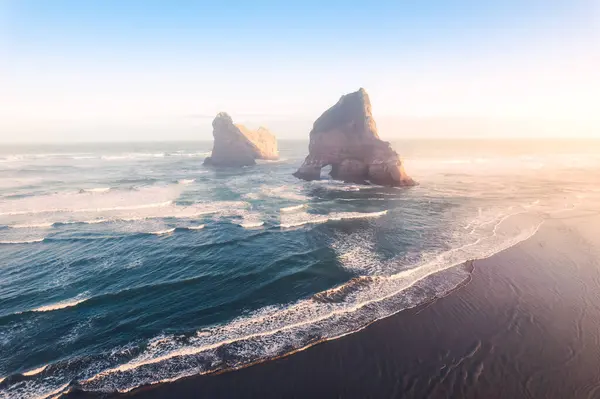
x=346, y=138
x=235, y=145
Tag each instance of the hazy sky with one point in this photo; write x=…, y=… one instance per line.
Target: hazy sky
x=136, y=70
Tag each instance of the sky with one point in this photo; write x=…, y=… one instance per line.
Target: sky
x=132, y=70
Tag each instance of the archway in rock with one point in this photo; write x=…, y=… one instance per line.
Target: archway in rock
x=326, y=172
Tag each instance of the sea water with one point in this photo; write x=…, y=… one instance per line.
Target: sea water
x=130, y=264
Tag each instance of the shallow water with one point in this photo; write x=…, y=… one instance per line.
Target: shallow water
x=131, y=264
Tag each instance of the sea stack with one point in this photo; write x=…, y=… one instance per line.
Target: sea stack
x=346, y=138
x=237, y=146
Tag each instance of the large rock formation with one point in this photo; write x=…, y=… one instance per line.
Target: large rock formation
x=235, y=145
x=345, y=137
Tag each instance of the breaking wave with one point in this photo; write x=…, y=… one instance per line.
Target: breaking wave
x=76, y=202
x=26, y=241
x=200, y=227
x=250, y=225
x=293, y=208
x=35, y=371
x=163, y=232
x=31, y=225
x=301, y=219
x=44, y=211
x=60, y=305
x=96, y=190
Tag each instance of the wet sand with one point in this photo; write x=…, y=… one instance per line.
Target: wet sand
x=526, y=325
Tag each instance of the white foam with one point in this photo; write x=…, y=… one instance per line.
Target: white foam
x=35, y=371
x=60, y=305
x=300, y=219
x=94, y=221
x=31, y=225
x=27, y=241
x=292, y=208
x=97, y=190
x=128, y=207
x=276, y=330
x=272, y=331
x=132, y=156
x=90, y=210
x=249, y=219
x=162, y=232
x=250, y=225
x=200, y=227
x=337, y=185
x=75, y=202
x=186, y=181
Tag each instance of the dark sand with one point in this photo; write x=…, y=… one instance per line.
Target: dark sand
x=527, y=325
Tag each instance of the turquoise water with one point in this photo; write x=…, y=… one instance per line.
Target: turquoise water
x=129, y=264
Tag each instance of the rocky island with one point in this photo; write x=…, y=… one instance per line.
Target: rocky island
x=236, y=146
x=346, y=138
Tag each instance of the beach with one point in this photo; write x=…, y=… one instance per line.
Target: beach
x=525, y=325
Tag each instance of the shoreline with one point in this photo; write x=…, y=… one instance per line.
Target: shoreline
x=469, y=265
x=435, y=349
x=141, y=390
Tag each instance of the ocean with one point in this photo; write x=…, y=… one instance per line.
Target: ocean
x=130, y=264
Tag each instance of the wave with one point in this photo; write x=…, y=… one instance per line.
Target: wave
x=151, y=155
x=200, y=227
x=277, y=330
x=300, y=219
x=249, y=220
x=26, y=241
x=250, y=225
x=186, y=181
x=60, y=305
x=115, y=208
x=31, y=225
x=337, y=185
x=112, y=206
x=96, y=190
x=144, y=219
x=292, y=208
x=93, y=221
x=133, y=155
x=35, y=371
x=162, y=232
x=34, y=157
x=81, y=202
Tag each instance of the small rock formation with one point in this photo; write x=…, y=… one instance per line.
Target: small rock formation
x=345, y=137
x=236, y=146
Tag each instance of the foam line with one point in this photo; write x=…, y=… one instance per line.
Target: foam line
x=35, y=371
x=301, y=219
x=31, y=241
x=163, y=232
x=292, y=208
x=60, y=305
